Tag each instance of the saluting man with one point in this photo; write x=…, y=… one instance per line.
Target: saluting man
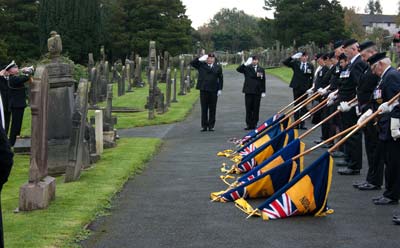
x=302, y=79
x=210, y=83
x=253, y=88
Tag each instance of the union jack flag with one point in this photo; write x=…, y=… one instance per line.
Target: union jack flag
x=252, y=176
x=282, y=207
x=234, y=195
x=252, y=162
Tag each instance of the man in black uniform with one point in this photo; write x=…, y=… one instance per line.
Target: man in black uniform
x=253, y=88
x=303, y=72
x=210, y=83
x=6, y=162
x=347, y=91
x=373, y=149
x=389, y=125
x=16, y=99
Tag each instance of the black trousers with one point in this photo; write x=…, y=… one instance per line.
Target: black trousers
x=392, y=171
x=297, y=93
x=208, y=101
x=373, y=149
x=353, y=145
x=17, y=115
x=1, y=226
x=252, y=102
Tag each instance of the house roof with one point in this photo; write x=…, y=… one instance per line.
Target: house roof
x=367, y=20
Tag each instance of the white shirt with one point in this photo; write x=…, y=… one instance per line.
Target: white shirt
x=384, y=72
x=2, y=113
x=355, y=57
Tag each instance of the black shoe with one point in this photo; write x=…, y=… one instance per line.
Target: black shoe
x=396, y=219
x=211, y=129
x=338, y=154
x=247, y=128
x=385, y=201
x=357, y=184
x=327, y=146
x=342, y=163
x=376, y=198
x=348, y=172
x=204, y=129
x=303, y=127
x=369, y=186
x=318, y=141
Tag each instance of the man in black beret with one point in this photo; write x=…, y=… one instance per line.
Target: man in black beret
x=348, y=91
x=303, y=73
x=389, y=124
x=253, y=88
x=373, y=148
x=210, y=83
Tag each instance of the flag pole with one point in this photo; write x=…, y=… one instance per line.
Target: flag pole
x=324, y=120
x=312, y=111
x=294, y=102
x=362, y=124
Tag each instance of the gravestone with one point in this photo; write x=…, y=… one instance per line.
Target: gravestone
x=99, y=131
x=138, y=81
x=168, y=90
x=129, y=67
x=93, y=94
x=41, y=188
x=174, y=84
x=165, y=66
x=109, y=133
x=90, y=63
x=182, y=83
x=151, y=95
x=78, y=154
x=188, y=79
x=123, y=80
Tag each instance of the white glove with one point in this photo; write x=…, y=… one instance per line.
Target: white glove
x=248, y=61
x=344, y=107
x=395, y=128
x=386, y=108
x=322, y=91
x=310, y=92
x=203, y=58
x=263, y=94
x=28, y=70
x=330, y=102
x=219, y=92
x=364, y=116
x=332, y=96
x=297, y=55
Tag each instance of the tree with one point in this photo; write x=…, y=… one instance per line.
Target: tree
x=162, y=21
x=304, y=21
x=78, y=23
x=373, y=8
x=378, y=7
x=19, y=35
x=353, y=24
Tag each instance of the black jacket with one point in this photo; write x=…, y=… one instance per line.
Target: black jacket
x=348, y=88
x=389, y=87
x=4, y=92
x=300, y=81
x=6, y=158
x=253, y=84
x=319, y=80
x=17, y=91
x=210, y=79
x=365, y=89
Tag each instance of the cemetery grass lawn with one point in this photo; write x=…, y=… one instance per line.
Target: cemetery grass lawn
x=283, y=73
x=77, y=203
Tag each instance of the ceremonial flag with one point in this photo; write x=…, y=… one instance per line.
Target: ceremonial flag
x=255, y=156
x=271, y=121
x=306, y=194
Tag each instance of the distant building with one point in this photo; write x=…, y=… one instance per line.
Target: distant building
x=387, y=22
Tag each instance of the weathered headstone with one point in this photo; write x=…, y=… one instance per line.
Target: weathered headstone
x=129, y=68
x=123, y=80
x=182, y=83
x=93, y=95
x=174, y=84
x=165, y=66
x=78, y=154
x=99, y=131
x=109, y=134
x=90, y=63
x=41, y=188
x=138, y=82
x=168, y=85
x=151, y=95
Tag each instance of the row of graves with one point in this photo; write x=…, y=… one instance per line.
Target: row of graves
x=64, y=140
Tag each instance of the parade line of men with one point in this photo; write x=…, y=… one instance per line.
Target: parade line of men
x=351, y=70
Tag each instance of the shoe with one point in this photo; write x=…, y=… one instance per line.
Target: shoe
x=211, y=129
x=376, y=198
x=342, y=163
x=348, y=172
x=396, y=219
x=303, y=128
x=338, y=154
x=369, y=186
x=327, y=146
x=204, y=129
x=318, y=141
x=357, y=184
x=385, y=201
x=247, y=128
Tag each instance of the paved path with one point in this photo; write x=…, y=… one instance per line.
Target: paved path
x=168, y=204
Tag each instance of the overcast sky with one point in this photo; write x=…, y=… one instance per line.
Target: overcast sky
x=201, y=11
